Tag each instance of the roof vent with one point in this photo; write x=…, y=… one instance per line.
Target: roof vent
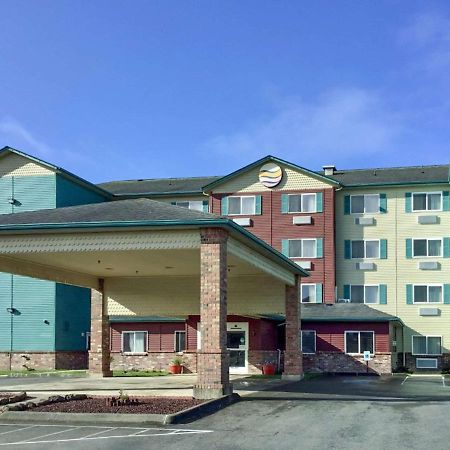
x=329, y=169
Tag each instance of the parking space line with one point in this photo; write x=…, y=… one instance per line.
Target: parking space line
x=20, y=429
x=404, y=381
x=47, y=435
x=100, y=432
x=443, y=381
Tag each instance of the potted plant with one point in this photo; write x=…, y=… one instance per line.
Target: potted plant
x=269, y=368
x=176, y=366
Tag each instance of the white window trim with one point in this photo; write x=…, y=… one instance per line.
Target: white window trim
x=301, y=296
x=366, y=285
x=241, y=213
x=428, y=239
x=175, y=340
x=425, y=336
x=301, y=195
x=426, y=193
x=365, y=249
x=304, y=239
x=428, y=294
x=146, y=342
x=315, y=341
x=359, y=340
x=364, y=195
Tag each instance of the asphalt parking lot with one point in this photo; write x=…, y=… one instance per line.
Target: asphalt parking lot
x=328, y=412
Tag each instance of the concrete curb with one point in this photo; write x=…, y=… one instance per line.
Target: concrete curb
x=61, y=374
x=186, y=416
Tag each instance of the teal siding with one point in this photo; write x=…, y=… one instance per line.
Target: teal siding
x=73, y=306
x=34, y=301
x=33, y=192
x=5, y=195
x=5, y=316
x=69, y=193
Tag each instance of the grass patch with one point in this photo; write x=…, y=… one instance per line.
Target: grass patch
x=140, y=373
x=41, y=371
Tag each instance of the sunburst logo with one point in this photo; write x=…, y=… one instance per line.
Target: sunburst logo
x=270, y=175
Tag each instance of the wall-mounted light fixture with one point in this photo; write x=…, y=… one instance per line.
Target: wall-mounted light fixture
x=11, y=310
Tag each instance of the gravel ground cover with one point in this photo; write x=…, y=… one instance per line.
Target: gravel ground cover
x=146, y=405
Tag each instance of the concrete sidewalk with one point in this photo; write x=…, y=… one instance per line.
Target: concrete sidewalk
x=171, y=386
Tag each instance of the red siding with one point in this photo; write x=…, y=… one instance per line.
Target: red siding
x=330, y=335
x=273, y=226
x=160, y=335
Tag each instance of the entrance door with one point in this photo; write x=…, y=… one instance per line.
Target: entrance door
x=237, y=344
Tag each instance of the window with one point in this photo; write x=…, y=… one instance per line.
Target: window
x=427, y=345
x=134, y=341
x=308, y=292
x=180, y=341
x=427, y=294
x=302, y=248
x=359, y=342
x=302, y=203
x=308, y=341
x=241, y=205
x=196, y=205
x=431, y=201
x=427, y=247
x=362, y=204
x=364, y=294
x=365, y=249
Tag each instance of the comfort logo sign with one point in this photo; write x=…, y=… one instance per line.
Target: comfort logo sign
x=270, y=175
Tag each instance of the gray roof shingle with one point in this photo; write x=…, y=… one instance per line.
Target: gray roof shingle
x=158, y=186
x=343, y=312
x=141, y=209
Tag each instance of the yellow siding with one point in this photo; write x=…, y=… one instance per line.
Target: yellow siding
x=397, y=271
x=13, y=165
x=171, y=296
x=292, y=180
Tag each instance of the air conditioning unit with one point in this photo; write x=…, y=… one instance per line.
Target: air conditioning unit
x=343, y=300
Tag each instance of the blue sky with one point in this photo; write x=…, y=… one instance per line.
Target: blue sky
x=146, y=89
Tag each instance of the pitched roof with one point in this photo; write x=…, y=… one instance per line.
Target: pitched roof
x=343, y=312
x=65, y=173
x=393, y=175
x=158, y=186
x=131, y=210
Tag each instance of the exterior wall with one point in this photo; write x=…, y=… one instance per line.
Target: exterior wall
x=330, y=353
x=13, y=165
x=397, y=271
x=69, y=193
x=273, y=226
x=43, y=360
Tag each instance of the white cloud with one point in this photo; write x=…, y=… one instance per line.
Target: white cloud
x=340, y=124
x=13, y=133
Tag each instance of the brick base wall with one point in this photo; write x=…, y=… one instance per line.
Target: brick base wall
x=152, y=361
x=256, y=358
x=334, y=362
x=443, y=362
x=44, y=360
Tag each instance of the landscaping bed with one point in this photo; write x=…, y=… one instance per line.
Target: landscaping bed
x=139, y=405
x=12, y=397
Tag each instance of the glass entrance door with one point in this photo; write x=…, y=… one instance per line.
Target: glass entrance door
x=237, y=336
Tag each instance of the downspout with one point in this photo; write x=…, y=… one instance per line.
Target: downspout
x=11, y=322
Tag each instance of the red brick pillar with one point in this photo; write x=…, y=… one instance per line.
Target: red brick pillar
x=99, y=354
x=293, y=364
x=213, y=378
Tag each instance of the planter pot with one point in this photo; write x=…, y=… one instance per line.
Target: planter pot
x=269, y=369
x=175, y=369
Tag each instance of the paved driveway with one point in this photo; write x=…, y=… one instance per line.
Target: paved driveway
x=325, y=413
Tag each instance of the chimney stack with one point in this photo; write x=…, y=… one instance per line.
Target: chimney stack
x=329, y=169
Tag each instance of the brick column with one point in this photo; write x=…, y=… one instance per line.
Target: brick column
x=213, y=378
x=99, y=354
x=293, y=361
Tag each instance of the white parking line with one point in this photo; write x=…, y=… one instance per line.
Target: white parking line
x=47, y=435
x=100, y=432
x=404, y=381
x=20, y=429
x=443, y=381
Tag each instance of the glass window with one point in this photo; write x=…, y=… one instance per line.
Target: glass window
x=357, y=293
x=308, y=292
x=363, y=294
x=427, y=294
x=365, y=249
x=369, y=203
x=180, y=341
x=134, y=341
x=427, y=201
x=308, y=341
x=427, y=247
x=241, y=205
x=302, y=248
x=371, y=294
x=196, y=205
x=309, y=202
x=295, y=203
x=426, y=345
x=359, y=341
